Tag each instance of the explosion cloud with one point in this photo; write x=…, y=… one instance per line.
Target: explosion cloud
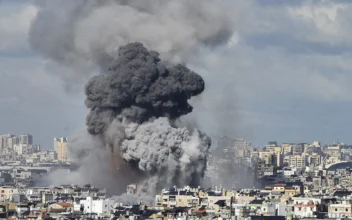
x=138, y=86
x=137, y=101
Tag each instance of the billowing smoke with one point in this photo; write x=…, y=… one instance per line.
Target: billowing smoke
x=139, y=86
x=136, y=103
x=84, y=33
x=132, y=109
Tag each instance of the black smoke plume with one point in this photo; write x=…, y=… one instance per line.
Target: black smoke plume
x=133, y=107
x=138, y=86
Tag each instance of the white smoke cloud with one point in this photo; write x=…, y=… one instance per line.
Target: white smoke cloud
x=158, y=148
x=81, y=33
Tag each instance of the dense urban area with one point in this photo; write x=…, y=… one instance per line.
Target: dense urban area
x=277, y=181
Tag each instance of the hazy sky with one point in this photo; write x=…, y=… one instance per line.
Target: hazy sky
x=287, y=69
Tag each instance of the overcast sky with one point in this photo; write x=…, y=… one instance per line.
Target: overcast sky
x=287, y=69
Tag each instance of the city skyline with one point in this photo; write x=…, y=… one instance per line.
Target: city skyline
x=175, y=109
x=278, y=181
x=186, y=109
x=215, y=141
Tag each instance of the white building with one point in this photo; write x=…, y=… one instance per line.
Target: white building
x=305, y=210
x=289, y=171
x=19, y=148
x=340, y=210
x=306, y=200
x=298, y=161
x=7, y=142
x=96, y=206
x=306, y=207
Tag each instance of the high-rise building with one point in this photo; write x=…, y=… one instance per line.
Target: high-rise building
x=26, y=139
x=314, y=159
x=268, y=157
x=60, y=146
x=295, y=161
x=242, y=148
x=287, y=148
x=8, y=141
x=56, y=142
x=15, y=140
x=297, y=149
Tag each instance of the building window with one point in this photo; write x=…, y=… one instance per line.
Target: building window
x=335, y=210
x=346, y=210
